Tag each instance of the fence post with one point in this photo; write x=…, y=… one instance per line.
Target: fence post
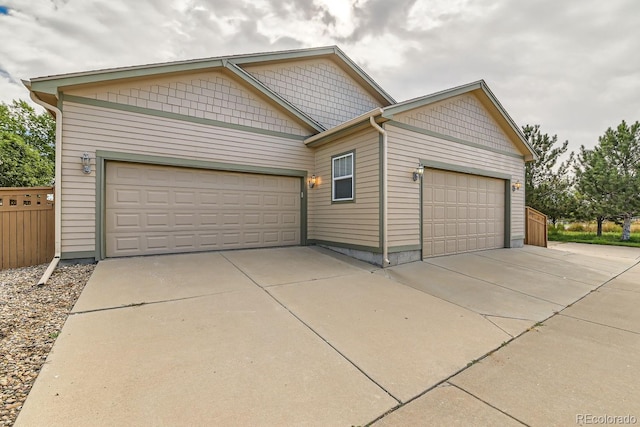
x=535, y=228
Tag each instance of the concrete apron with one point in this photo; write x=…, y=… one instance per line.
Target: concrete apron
x=289, y=335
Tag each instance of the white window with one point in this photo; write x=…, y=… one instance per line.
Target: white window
x=342, y=177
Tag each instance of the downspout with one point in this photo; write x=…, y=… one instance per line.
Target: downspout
x=385, y=246
x=57, y=189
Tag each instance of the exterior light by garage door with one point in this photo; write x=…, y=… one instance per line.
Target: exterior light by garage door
x=86, y=163
x=418, y=172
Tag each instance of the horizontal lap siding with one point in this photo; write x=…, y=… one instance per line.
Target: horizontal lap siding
x=348, y=223
x=405, y=150
x=88, y=128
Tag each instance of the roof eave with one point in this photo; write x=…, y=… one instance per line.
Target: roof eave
x=51, y=84
x=529, y=153
x=346, y=127
x=365, y=77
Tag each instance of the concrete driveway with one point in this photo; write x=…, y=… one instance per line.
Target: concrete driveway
x=301, y=335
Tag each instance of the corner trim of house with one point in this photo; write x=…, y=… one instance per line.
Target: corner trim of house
x=372, y=249
x=432, y=164
x=303, y=210
x=507, y=213
x=380, y=192
x=100, y=243
x=175, y=116
x=453, y=139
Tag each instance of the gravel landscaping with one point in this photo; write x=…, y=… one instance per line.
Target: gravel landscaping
x=31, y=317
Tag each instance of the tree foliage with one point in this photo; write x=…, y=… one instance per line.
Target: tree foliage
x=608, y=176
x=27, y=154
x=21, y=165
x=548, y=187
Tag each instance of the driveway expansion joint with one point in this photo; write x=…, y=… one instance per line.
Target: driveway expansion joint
x=537, y=270
x=266, y=291
x=488, y=404
x=496, y=284
x=599, y=324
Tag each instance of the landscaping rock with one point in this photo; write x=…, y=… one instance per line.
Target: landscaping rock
x=31, y=318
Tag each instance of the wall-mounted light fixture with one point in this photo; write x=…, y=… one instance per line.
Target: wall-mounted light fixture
x=516, y=186
x=312, y=181
x=418, y=172
x=86, y=163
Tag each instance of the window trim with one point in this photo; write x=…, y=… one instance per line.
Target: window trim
x=334, y=158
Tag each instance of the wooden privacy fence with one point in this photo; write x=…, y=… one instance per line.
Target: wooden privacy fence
x=27, y=226
x=535, y=228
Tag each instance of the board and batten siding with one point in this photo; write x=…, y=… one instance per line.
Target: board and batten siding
x=462, y=118
x=211, y=95
x=319, y=87
x=89, y=128
x=348, y=223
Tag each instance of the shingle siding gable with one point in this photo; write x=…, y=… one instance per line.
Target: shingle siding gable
x=318, y=87
x=210, y=95
x=462, y=117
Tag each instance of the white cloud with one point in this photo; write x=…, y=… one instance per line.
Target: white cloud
x=571, y=66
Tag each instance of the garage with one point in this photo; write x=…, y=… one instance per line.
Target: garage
x=461, y=213
x=152, y=209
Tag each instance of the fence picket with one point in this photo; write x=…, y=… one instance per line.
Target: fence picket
x=27, y=226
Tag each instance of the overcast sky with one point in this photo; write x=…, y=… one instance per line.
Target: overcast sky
x=572, y=66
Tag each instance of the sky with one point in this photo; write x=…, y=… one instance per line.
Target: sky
x=571, y=66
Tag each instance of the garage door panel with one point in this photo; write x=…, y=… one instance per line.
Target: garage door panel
x=461, y=213
x=157, y=198
x=157, y=209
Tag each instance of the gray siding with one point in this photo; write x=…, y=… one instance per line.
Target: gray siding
x=89, y=128
x=461, y=117
x=319, y=87
x=406, y=148
x=352, y=223
x=212, y=95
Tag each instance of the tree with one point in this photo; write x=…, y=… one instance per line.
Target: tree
x=608, y=176
x=21, y=165
x=548, y=187
x=593, y=190
x=36, y=131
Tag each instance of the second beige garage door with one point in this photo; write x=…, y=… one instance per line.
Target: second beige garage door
x=461, y=213
x=159, y=209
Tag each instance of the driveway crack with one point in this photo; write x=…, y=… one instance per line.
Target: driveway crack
x=141, y=303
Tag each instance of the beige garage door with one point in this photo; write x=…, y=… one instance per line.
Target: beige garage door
x=461, y=213
x=160, y=209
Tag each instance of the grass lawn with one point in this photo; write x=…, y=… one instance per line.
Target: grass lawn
x=607, y=238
